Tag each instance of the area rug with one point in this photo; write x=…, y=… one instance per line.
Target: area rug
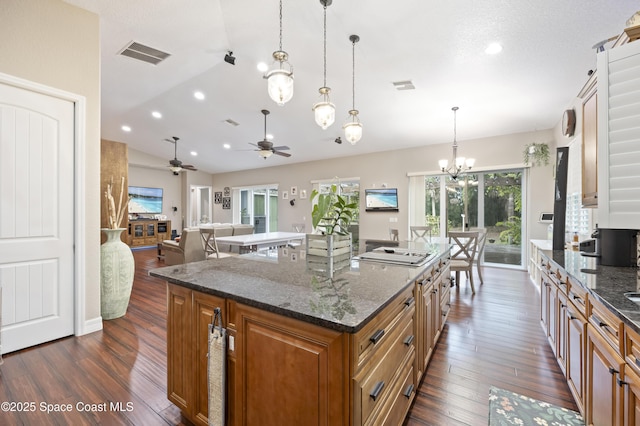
x=509, y=408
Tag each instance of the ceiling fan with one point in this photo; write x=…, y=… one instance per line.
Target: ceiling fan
x=176, y=165
x=266, y=147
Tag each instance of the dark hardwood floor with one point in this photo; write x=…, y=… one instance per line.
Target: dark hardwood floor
x=492, y=338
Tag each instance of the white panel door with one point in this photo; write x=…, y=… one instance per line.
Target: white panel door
x=36, y=217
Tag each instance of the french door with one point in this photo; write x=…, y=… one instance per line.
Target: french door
x=493, y=200
x=258, y=206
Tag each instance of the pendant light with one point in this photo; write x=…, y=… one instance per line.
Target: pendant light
x=459, y=165
x=279, y=78
x=353, y=127
x=325, y=111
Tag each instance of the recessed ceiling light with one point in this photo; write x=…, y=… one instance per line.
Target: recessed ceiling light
x=263, y=66
x=493, y=49
x=156, y=114
x=126, y=128
x=194, y=153
x=198, y=95
x=226, y=146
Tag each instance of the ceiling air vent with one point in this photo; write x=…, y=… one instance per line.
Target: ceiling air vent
x=144, y=53
x=230, y=122
x=404, y=85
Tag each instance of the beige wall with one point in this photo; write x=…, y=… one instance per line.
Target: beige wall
x=57, y=45
x=391, y=168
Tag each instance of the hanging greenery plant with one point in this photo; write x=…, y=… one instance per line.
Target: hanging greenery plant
x=536, y=154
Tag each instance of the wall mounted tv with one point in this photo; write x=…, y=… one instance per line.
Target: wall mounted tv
x=144, y=200
x=381, y=200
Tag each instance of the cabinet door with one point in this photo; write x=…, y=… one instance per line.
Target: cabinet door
x=554, y=311
x=289, y=372
x=426, y=342
x=631, y=398
x=545, y=286
x=604, y=368
x=563, y=324
x=576, y=354
x=590, y=151
x=202, y=315
x=179, y=346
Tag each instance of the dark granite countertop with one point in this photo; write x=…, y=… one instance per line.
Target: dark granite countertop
x=277, y=280
x=607, y=283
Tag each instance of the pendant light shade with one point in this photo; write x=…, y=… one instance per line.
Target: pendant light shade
x=280, y=76
x=324, y=111
x=353, y=127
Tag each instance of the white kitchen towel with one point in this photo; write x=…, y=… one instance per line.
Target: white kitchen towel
x=217, y=373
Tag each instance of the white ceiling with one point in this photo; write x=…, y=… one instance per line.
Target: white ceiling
x=438, y=45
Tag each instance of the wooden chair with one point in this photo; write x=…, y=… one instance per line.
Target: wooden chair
x=393, y=235
x=420, y=233
x=463, y=253
x=210, y=245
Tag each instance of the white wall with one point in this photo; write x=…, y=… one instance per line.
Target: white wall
x=149, y=170
x=391, y=168
x=58, y=45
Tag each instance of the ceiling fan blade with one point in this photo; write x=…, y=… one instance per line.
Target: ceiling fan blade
x=281, y=148
x=189, y=167
x=254, y=144
x=282, y=154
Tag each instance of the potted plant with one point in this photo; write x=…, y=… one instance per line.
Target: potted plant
x=536, y=154
x=330, y=249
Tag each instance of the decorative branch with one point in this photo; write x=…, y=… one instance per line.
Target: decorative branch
x=115, y=216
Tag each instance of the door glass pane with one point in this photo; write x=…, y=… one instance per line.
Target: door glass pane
x=245, y=208
x=502, y=217
x=462, y=202
x=432, y=204
x=273, y=209
x=260, y=211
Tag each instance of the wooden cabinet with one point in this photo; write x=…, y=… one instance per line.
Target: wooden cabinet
x=288, y=371
x=576, y=353
x=590, y=144
x=189, y=314
x=148, y=232
x=282, y=370
x=605, y=367
x=631, y=398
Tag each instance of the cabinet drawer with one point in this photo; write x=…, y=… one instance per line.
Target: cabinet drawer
x=397, y=405
x=578, y=296
x=559, y=277
x=374, y=334
x=632, y=349
x=609, y=326
x=375, y=384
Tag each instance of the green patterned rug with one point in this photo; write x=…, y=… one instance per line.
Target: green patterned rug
x=509, y=408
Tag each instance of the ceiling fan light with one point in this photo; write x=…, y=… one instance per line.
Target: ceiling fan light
x=175, y=169
x=265, y=153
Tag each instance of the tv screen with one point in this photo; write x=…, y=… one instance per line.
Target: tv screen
x=384, y=199
x=145, y=200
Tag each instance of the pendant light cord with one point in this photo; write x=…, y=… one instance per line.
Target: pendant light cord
x=325, y=45
x=281, y=25
x=353, y=75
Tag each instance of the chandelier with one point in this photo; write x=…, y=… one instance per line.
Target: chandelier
x=459, y=165
x=279, y=78
x=325, y=111
x=353, y=127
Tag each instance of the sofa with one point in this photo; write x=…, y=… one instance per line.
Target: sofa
x=190, y=248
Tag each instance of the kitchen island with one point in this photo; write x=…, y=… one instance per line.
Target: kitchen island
x=304, y=348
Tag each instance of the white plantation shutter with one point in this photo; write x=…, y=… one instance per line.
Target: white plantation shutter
x=619, y=137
